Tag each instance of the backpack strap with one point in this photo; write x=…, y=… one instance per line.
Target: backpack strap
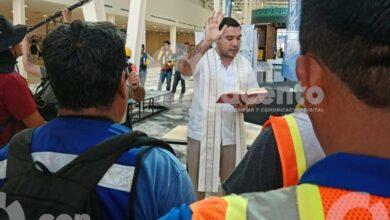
x=148, y=143
x=20, y=160
x=90, y=167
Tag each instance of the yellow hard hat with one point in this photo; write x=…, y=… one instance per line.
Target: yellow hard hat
x=128, y=52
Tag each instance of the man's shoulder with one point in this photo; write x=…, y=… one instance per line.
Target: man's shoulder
x=162, y=157
x=12, y=78
x=267, y=205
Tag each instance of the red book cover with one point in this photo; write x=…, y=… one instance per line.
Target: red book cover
x=251, y=96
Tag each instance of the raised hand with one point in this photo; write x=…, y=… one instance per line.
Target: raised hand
x=212, y=28
x=66, y=16
x=134, y=80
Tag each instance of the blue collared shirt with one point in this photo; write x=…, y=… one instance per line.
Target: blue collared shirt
x=162, y=183
x=351, y=172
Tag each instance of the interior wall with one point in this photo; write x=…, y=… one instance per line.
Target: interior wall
x=180, y=13
x=154, y=41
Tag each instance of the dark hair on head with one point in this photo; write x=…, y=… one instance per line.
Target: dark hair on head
x=353, y=40
x=167, y=42
x=229, y=22
x=84, y=63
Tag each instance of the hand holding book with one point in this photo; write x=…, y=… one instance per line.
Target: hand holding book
x=250, y=97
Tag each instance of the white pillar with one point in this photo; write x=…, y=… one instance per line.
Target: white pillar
x=245, y=12
x=135, y=28
x=94, y=11
x=217, y=5
x=223, y=9
x=111, y=18
x=19, y=12
x=172, y=35
x=143, y=35
x=250, y=8
x=19, y=17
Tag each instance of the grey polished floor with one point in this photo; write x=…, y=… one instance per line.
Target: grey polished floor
x=159, y=125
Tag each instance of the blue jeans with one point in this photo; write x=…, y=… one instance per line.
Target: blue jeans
x=168, y=75
x=142, y=76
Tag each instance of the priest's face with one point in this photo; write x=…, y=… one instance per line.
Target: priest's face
x=230, y=42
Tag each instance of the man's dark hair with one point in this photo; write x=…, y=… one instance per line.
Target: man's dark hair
x=353, y=40
x=167, y=42
x=85, y=62
x=229, y=22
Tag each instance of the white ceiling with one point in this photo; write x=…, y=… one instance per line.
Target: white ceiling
x=36, y=11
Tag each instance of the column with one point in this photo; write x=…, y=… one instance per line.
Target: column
x=250, y=8
x=245, y=12
x=19, y=17
x=228, y=8
x=111, y=18
x=223, y=9
x=172, y=35
x=217, y=5
x=135, y=26
x=94, y=11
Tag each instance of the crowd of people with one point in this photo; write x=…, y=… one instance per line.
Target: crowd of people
x=328, y=164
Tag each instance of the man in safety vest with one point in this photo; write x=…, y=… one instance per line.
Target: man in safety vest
x=286, y=147
x=345, y=58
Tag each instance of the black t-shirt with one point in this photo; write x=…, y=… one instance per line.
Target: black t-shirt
x=260, y=170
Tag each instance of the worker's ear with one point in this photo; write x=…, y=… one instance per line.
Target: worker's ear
x=122, y=91
x=311, y=74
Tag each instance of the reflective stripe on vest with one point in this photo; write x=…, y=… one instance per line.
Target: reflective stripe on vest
x=309, y=202
x=226, y=208
x=317, y=202
x=290, y=147
x=118, y=177
x=297, y=143
x=303, y=202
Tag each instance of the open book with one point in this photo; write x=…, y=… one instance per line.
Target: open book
x=250, y=97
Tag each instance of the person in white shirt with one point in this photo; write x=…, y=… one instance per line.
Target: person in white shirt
x=215, y=132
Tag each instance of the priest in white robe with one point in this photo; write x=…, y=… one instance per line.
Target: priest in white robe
x=216, y=131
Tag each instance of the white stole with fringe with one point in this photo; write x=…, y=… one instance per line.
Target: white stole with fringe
x=210, y=147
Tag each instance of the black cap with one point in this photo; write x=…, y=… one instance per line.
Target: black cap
x=10, y=35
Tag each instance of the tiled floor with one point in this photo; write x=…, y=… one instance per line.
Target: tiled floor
x=159, y=125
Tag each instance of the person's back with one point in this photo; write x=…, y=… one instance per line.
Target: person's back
x=286, y=147
x=17, y=106
x=61, y=140
x=88, y=116
x=345, y=60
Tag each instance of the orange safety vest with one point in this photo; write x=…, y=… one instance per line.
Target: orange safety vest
x=310, y=202
x=297, y=152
